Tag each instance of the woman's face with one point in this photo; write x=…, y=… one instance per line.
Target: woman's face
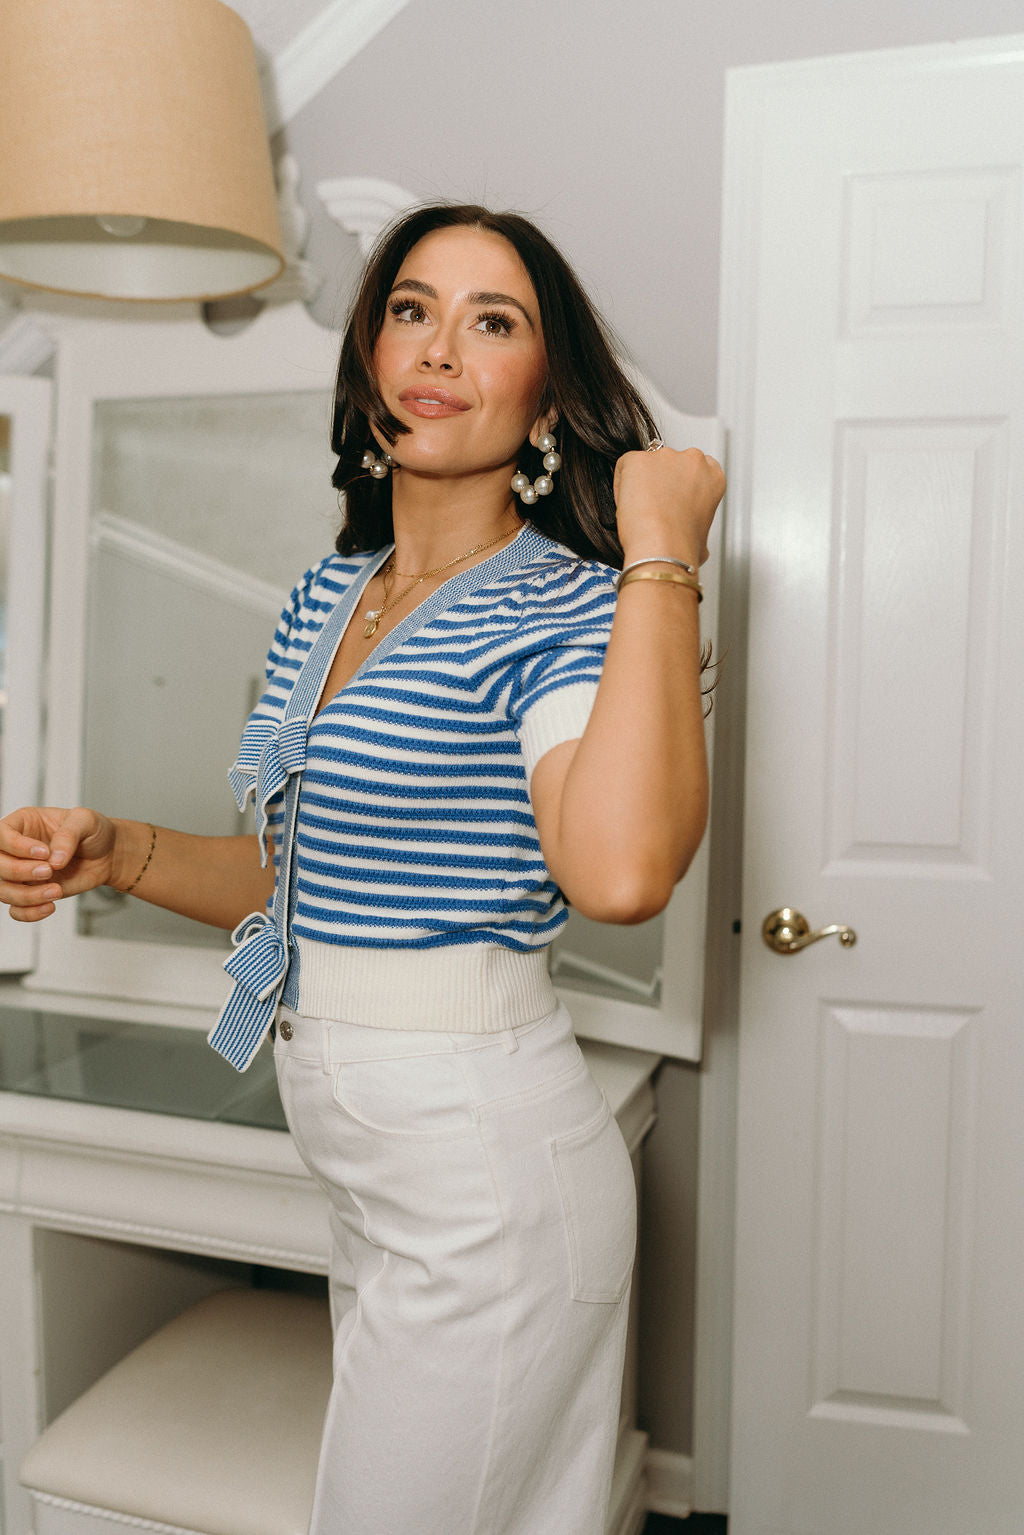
x=460, y=357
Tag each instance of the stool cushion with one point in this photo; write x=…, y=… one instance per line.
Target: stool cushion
x=212, y=1425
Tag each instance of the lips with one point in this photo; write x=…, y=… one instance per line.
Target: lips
x=432, y=402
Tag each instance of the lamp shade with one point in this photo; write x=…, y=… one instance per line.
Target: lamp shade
x=144, y=114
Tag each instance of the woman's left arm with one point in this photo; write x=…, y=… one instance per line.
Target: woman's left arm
x=621, y=811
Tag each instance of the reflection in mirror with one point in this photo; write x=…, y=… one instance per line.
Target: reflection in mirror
x=620, y=962
x=206, y=511
x=5, y=512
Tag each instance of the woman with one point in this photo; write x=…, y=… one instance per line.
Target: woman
x=465, y=726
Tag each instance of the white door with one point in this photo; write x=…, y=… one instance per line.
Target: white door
x=873, y=356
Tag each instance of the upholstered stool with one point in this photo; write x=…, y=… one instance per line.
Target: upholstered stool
x=210, y=1427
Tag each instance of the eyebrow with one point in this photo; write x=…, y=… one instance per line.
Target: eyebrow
x=412, y=284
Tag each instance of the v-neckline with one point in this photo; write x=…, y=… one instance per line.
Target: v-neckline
x=348, y=604
x=528, y=538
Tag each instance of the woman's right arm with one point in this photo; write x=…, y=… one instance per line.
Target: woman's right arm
x=47, y=854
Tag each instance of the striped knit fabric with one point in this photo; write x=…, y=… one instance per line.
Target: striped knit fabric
x=414, y=822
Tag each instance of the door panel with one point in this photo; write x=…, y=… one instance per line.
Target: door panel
x=914, y=620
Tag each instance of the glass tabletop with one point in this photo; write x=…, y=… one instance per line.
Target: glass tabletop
x=143, y=1066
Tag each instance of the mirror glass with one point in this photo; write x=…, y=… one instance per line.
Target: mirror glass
x=205, y=512
x=620, y=962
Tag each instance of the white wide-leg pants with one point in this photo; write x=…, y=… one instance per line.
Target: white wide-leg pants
x=483, y=1213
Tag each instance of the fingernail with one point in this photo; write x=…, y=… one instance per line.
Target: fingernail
x=54, y=893
x=58, y=859
x=41, y=871
x=40, y=852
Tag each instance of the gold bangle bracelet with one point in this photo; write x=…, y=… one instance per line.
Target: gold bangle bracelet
x=152, y=844
x=655, y=559
x=663, y=575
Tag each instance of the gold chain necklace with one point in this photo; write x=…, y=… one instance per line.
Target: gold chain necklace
x=373, y=616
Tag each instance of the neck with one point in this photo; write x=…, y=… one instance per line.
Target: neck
x=437, y=520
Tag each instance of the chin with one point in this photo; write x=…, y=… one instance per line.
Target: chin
x=427, y=463
x=443, y=465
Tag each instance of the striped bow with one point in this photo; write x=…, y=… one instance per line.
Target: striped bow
x=268, y=756
x=258, y=967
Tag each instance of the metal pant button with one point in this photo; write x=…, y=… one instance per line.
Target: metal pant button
x=285, y=1029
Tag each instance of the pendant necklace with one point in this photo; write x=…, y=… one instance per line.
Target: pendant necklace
x=373, y=616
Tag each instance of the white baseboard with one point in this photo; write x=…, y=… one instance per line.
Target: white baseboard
x=669, y=1483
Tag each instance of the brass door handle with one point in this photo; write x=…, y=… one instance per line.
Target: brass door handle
x=787, y=931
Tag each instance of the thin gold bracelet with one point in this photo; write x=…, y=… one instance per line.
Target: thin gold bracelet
x=663, y=575
x=152, y=844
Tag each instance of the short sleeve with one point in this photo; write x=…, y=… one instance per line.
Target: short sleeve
x=567, y=620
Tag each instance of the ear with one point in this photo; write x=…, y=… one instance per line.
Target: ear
x=548, y=422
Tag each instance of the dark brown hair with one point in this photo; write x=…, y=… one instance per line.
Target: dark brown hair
x=600, y=414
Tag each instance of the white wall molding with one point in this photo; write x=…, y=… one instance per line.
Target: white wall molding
x=311, y=60
x=25, y=346
x=154, y=551
x=669, y=1483
x=363, y=206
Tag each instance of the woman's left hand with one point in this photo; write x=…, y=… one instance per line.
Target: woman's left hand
x=666, y=502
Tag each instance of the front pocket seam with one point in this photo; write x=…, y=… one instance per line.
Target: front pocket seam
x=471, y=1128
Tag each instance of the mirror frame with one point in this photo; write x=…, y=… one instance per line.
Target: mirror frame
x=26, y=403
x=173, y=355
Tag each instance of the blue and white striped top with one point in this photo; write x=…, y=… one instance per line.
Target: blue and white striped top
x=414, y=825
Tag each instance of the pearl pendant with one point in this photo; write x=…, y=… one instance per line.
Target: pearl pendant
x=372, y=617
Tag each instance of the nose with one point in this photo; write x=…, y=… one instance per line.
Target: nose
x=440, y=353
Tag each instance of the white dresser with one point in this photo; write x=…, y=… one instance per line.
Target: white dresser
x=138, y=1173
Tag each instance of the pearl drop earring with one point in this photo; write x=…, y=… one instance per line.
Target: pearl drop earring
x=543, y=485
x=378, y=467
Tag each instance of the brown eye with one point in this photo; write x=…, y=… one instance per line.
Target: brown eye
x=407, y=311
x=495, y=324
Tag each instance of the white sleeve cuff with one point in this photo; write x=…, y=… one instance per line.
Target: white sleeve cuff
x=558, y=716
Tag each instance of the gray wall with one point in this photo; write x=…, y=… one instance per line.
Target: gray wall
x=604, y=122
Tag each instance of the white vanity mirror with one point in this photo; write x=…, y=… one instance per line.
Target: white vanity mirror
x=192, y=491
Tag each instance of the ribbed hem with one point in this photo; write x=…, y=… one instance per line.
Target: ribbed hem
x=558, y=716
x=478, y=988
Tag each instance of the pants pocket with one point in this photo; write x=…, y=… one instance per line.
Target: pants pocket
x=595, y=1181
x=419, y=1097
